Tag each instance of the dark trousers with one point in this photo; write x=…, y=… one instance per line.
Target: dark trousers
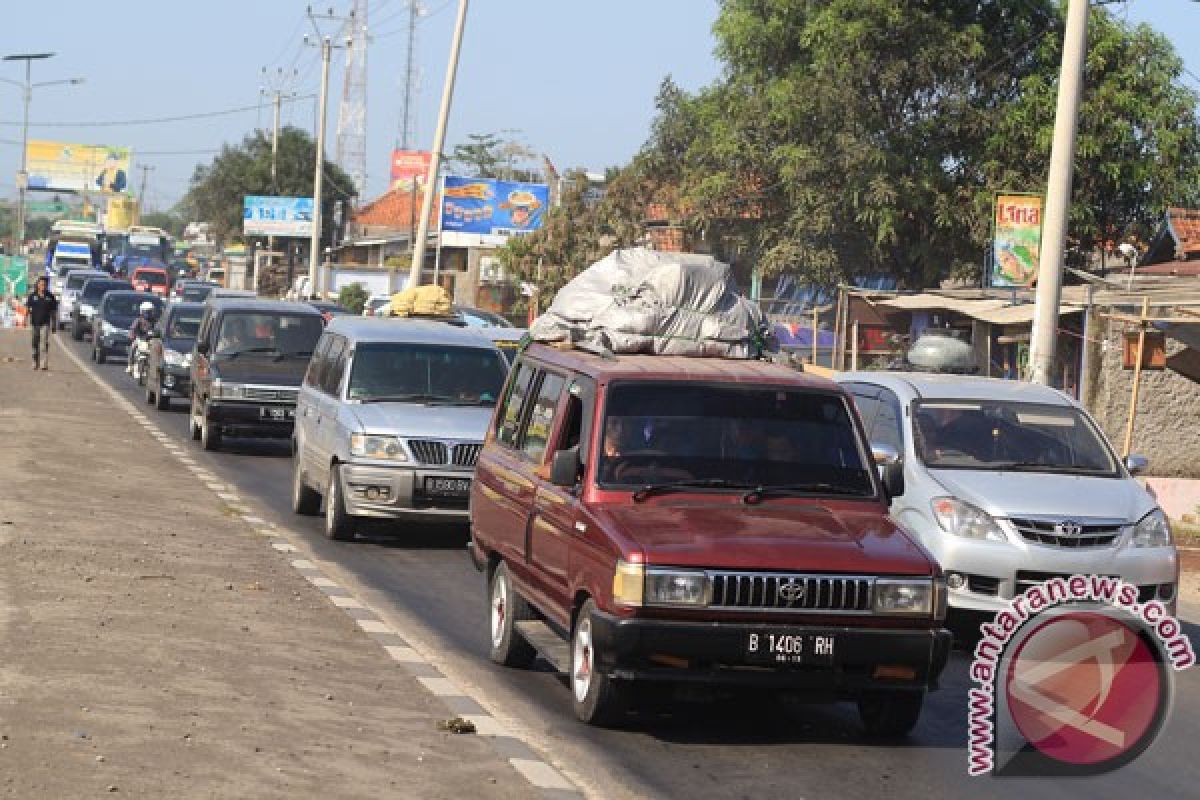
x=41, y=343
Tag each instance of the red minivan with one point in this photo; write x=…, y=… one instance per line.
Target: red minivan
x=150, y=279
x=670, y=520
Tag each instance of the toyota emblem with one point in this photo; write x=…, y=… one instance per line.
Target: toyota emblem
x=792, y=591
x=1068, y=527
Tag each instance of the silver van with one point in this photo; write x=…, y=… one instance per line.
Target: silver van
x=390, y=421
x=1009, y=484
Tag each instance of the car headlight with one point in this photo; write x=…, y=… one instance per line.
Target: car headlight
x=913, y=597
x=87, y=310
x=228, y=391
x=1153, y=530
x=108, y=328
x=174, y=358
x=668, y=587
x=387, y=448
x=965, y=520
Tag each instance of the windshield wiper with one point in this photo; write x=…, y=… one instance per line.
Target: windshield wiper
x=651, y=489
x=407, y=398
x=237, y=353
x=758, y=493
x=1034, y=466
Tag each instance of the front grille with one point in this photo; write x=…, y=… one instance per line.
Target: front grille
x=1028, y=578
x=266, y=395
x=790, y=592
x=983, y=584
x=465, y=455
x=429, y=451
x=1059, y=533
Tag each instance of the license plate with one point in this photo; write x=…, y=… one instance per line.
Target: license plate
x=789, y=648
x=268, y=412
x=448, y=487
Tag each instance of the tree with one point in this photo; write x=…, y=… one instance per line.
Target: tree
x=487, y=155
x=352, y=297
x=849, y=137
x=170, y=221
x=217, y=188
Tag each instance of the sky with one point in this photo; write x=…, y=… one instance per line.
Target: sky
x=574, y=80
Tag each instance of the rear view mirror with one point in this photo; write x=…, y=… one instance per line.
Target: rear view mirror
x=202, y=348
x=891, y=468
x=1136, y=464
x=564, y=467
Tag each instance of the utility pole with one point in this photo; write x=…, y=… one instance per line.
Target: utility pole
x=327, y=47
x=1058, y=196
x=439, y=142
x=146, y=170
x=277, y=93
x=27, y=96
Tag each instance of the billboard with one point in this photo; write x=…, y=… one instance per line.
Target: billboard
x=71, y=167
x=277, y=216
x=409, y=168
x=1016, y=240
x=488, y=207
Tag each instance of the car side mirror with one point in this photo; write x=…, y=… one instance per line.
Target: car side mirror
x=891, y=468
x=1136, y=464
x=564, y=467
x=202, y=348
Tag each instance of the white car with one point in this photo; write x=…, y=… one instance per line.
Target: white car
x=68, y=296
x=1008, y=484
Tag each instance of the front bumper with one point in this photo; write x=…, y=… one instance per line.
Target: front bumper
x=175, y=381
x=995, y=572
x=249, y=420
x=113, y=342
x=396, y=492
x=714, y=652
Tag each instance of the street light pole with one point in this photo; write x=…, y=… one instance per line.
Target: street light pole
x=439, y=142
x=1058, y=196
x=23, y=176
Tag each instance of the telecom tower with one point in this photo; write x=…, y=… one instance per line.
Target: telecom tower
x=408, y=114
x=352, y=111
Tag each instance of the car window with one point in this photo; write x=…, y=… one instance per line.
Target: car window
x=318, y=362
x=184, y=326
x=510, y=416
x=762, y=436
x=541, y=418
x=335, y=364
x=886, y=429
x=263, y=332
x=125, y=305
x=151, y=277
x=426, y=373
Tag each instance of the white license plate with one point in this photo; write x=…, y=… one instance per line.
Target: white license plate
x=448, y=487
x=789, y=648
x=268, y=412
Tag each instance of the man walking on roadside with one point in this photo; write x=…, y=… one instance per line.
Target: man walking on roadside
x=43, y=312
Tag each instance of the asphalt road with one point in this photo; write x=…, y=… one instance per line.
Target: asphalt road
x=735, y=747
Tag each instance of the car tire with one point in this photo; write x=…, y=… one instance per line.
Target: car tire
x=101, y=356
x=141, y=378
x=193, y=426
x=305, y=499
x=76, y=333
x=150, y=396
x=339, y=525
x=161, y=401
x=596, y=697
x=890, y=714
x=210, y=435
x=506, y=607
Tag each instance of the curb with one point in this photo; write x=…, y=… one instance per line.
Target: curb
x=535, y=770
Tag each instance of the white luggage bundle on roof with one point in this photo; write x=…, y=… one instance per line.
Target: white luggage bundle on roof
x=645, y=301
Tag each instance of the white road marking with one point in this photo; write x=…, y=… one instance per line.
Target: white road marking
x=321, y=580
x=487, y=725
x=283, y=547
x=541, y=774
x=374, y=626
x=252, y=519
x=346, y=602
x=303, y=563
x=440, y=687
x=405, y=654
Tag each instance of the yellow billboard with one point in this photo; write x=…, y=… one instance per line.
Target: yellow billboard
x=122, y=212
x=70, y=167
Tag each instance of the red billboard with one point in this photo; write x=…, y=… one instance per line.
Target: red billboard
x=409, y=168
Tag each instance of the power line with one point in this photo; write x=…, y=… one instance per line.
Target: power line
x=153, y=121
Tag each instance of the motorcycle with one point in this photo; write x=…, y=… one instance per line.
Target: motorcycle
x=140, y=359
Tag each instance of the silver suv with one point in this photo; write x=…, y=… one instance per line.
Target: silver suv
x=1008, y=484
x=390, y=421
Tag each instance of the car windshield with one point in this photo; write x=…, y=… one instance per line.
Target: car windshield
x=1008, y=436
x=427, y=373
x=92, y=292
x=196, y=294
x=283, y=334
x=151, y=277
x=475, y=318
x=184, y=325
x=738, y=436
x=126, y=305
x=76, y=281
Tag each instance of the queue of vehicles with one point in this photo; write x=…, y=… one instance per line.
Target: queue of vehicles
x=664, y=521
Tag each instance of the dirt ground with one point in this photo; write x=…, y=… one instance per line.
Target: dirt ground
x=153, y=646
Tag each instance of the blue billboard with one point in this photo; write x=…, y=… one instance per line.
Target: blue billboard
x=277, y=216
x=491, y=207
